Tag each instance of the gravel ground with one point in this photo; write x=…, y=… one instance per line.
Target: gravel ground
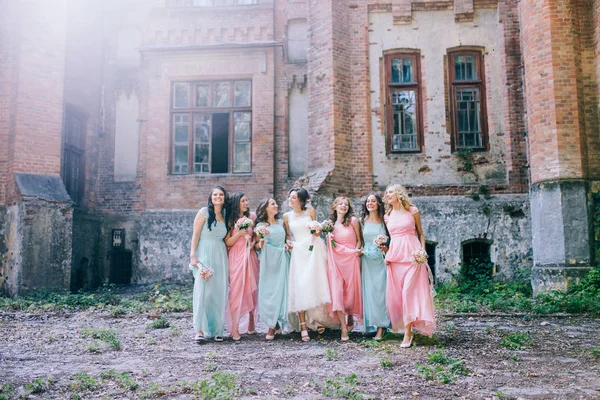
x=549, y=358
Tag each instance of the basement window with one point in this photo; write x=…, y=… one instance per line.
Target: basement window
x=211, y=127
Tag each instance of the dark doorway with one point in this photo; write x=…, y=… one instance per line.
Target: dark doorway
x=220, y=143
x=120, y=266
x=430, y=249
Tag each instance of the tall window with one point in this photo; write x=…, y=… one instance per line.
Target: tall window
x=211, y=127
x=467, y=100
x=73, y=162
x=404, y=125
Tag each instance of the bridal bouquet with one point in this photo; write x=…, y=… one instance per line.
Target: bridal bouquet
x=419, y=257
x=313, y=227
x=262, y=231
x=328, y=226
x=244, y=223
x=381, y=241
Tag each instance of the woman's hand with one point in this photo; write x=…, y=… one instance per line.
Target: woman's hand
x=317, y=234
x=260, y=244
x=194, y=261
x=288, y=245
x=359, y=251
x=384, y=249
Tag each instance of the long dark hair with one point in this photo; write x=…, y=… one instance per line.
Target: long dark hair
x=303, y=196
x=234, y=209
x=349, y=214
x=261, y=211
x=212, y=218
x=380, y=208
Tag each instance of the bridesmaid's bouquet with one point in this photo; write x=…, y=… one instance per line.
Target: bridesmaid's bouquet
x=244, y=223
x=206, y=273
x=313, y=227
x=327, y=227
x=381, y=241
x=419, y=257
x=262, y=231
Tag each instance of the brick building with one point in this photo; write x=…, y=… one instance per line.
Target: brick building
x=117, y=117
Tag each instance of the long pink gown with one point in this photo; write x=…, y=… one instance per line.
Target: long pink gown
x=243, y=282
x=343, y=271
x=408, y=295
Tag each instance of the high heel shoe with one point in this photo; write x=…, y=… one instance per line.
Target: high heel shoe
x=406, y=345
x=304, y=332
x=270, y=337
x=320, y=329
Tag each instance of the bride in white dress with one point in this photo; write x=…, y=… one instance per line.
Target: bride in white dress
x=308, y=286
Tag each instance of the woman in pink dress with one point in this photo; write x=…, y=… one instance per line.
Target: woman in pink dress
x=408, y=295
x=343, y=269
x=243, y=270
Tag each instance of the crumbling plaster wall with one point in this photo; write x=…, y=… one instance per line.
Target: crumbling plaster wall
x=433, y=33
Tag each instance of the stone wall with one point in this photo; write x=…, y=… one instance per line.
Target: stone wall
x=450, y=221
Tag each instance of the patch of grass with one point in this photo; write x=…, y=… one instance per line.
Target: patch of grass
x=123, y=379
x=224, y=385
x=386, y=363
x=596, y=353
x=108, y=336
x=161, y=323
x=516, y=340
x=441, y=368
x=83, y=382
x=175, y=330
x=331, y=354
x=342, y=387
x=94, y=347
x=7, y=391
x=40, y=385
x=475, y=290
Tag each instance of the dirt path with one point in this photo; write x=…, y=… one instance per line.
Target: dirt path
x=552, y=359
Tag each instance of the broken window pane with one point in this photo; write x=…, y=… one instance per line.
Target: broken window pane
x=402, y=70
x=222, y=94
x=242, y=93
x=203, y=95
x=241, y=160
x=465, y=68
x=181, y=95
x=242, y=126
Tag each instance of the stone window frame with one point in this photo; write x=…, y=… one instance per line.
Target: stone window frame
x=479, y=84
x=390, y=87
x=193, y=110
x=73, y=148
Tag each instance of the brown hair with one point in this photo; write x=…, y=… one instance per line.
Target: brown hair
x=349, y=213
x=261, y=211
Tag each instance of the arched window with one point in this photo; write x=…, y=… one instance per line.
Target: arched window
x=476, y=259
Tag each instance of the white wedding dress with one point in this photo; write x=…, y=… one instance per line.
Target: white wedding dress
x=308, y=284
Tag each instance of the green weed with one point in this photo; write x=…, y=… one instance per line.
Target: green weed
x=83, y=382
x=161, y=323
x=516, y=340
x=386, y=363
x=342, y=387
x=40, y=385
x=331, y=354
x=7, y=391
x=596, y=353
x=108, y=336
x=441, y=368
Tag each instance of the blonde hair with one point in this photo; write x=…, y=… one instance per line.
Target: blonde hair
x=402, y=195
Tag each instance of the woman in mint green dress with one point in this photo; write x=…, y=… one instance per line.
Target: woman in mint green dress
x=274, y=265
x=374, y=270
x=208, y=251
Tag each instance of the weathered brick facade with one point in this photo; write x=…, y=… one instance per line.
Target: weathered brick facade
x=113, y=66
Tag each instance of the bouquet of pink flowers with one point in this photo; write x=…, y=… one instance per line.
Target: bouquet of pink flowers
x=419, y=257
x=262, y=231
x=381, y=241
x=313, y=227
x=328, y=226
x=243, y=223
x=206, y=273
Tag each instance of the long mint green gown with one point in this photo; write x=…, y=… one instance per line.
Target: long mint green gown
x=273, y=278
x=374, y=278
x=210, y=297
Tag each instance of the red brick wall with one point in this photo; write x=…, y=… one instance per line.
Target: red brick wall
x=551, y=75
x=37, y=76
x=284, y=78
x=513, y=96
